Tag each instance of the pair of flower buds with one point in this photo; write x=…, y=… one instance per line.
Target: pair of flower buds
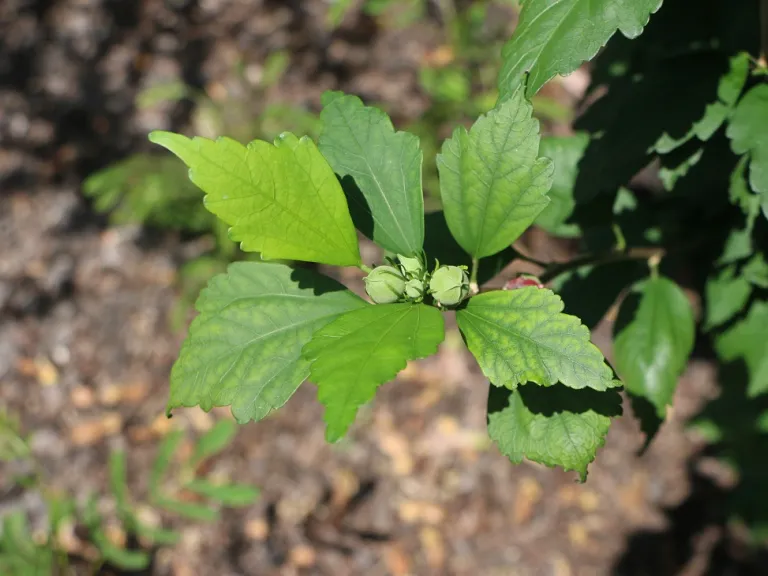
x=405, y=280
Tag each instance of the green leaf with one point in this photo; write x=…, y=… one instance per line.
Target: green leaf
x=165, y=92
x=748, y=135
x=654, y=337
x=756, y=271
x=120, y=557
x=726, y=295
x=117, y=478
x=244, y=349
x=520, y=336
x=555, y=36
x=565, y=152
x=360, y=142
x=492, y=183
x=554, y=426
x=747, y=341
x=226, y=494
x=728, y=91
x=163, y=459
x=282, y=201
x=12, y=445
x=442, y=247
x=364, y=348
x=159, y=536
x=189, y=510
x=213, y=441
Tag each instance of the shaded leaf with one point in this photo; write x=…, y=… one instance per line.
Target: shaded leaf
x=654, y=336
x=364, y=348
x=117, y=478
x=747, y=341
x=749, y=136
x=565, y=153
x=163, y=459
x=520, y=336
x=555, y=426
x=492, y=182
x=282, y=201
x=726, y=295
x=359, y=141
x=244, y=349
x=555, y=36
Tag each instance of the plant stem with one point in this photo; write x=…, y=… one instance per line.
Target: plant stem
x=649, y=254
x=473, y=287
x=365, y=268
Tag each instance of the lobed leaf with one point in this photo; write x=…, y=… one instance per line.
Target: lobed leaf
x=244, y=349
x=653, y=339
x=492, y=183
x=360, y=142
x=746, y=341
x=520, y=336
x=555, y=36
x=555, y=426
x=282, y=201
x=364, y=348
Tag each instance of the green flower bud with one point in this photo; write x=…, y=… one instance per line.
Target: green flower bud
x=385, y=284
x=412, y=266
x=449, y=285
x=414, y=290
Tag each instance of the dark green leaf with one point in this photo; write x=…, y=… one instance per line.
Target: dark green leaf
x=749, y=136
x=555, y=36
x=360, y=142
x=654, y=337
x=726, y=295
x=747, y=341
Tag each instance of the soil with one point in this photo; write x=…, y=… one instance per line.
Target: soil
x=86, y=345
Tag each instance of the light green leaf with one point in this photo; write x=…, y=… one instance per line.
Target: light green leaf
x=726, y=295
x=565, y=153
x=213, y=441
x=244, y=349
x=160, y=536
x=133, y=560
x=554, y=426
x=748, y=134
x=190, y=510
x=728, y=91
x=555, y=36
x=117, y=478
x=360, y=142
x=226, y=494
x=166, y=92
x=520, y=336
x=282, y=201
x=492, y=182
x=163, y=459
x=747, y=341
x=364, y=348
x=654, y=338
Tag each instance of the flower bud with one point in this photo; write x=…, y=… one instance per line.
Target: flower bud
x=414, y=290
x=412, y=266
x=385, y=285
x=521, y=281
x=449, y=285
